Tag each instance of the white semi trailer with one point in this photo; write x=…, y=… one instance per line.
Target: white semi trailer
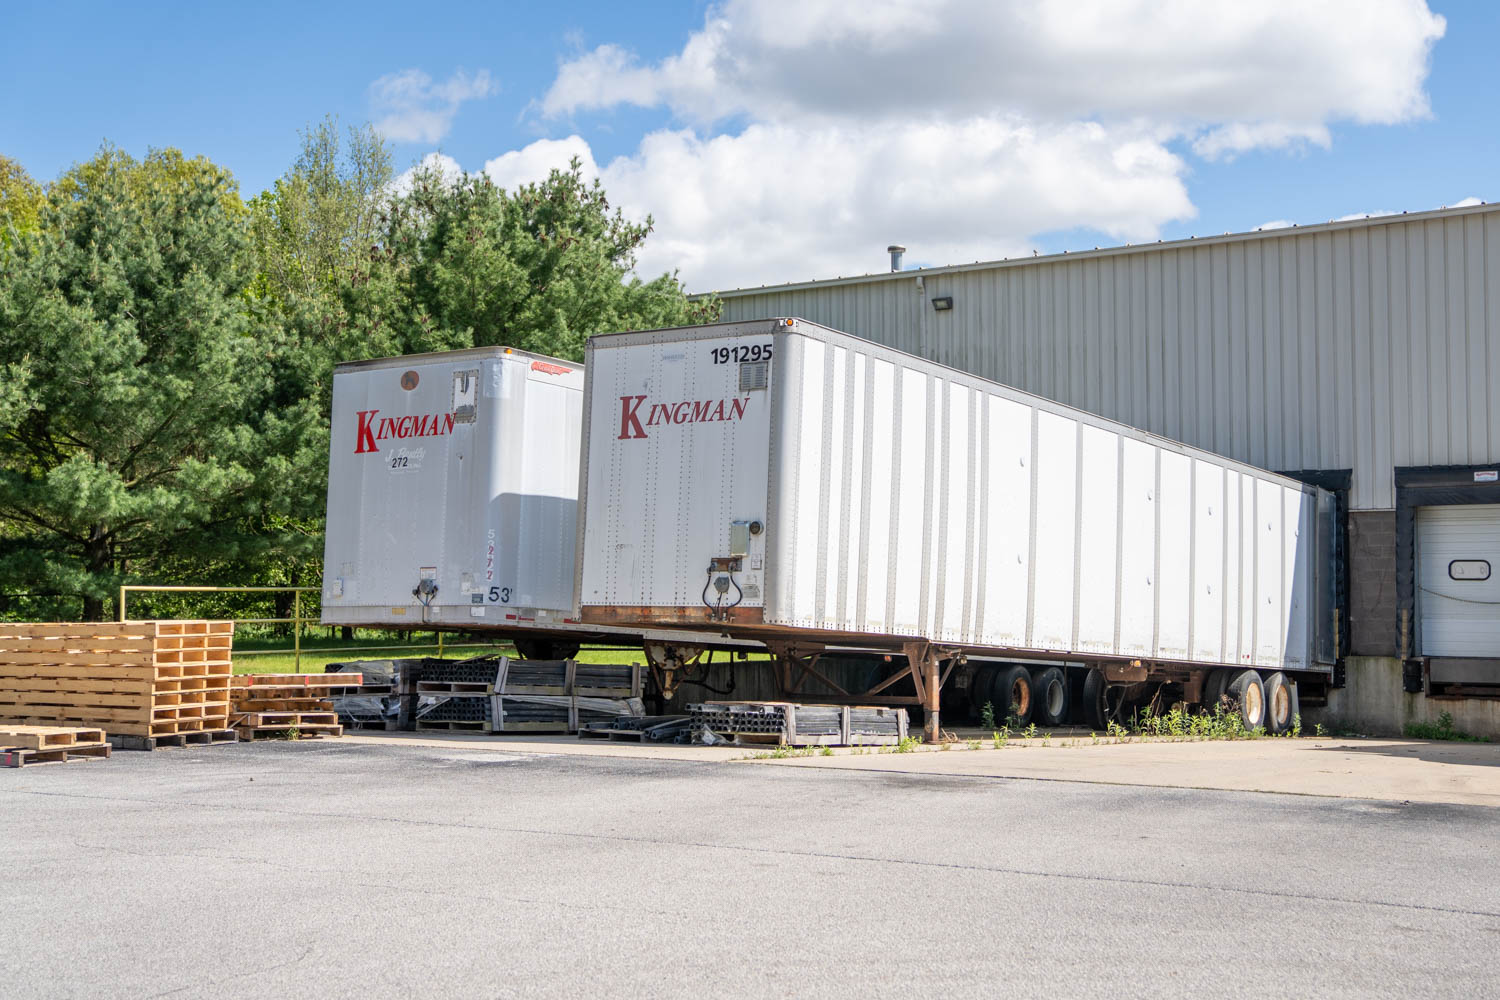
x=452, y=500
x=451, y=495
x=819, y=493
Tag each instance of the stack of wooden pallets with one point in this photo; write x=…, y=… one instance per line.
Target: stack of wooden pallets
x=277, y=706
x=21, y=745
x=145, y=680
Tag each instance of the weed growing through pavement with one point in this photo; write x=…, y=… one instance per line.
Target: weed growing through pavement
x=825, y=751
x=974, y=744
x=1002, y=737
x=987, y=715
x=908, y=744
x=1440, y=730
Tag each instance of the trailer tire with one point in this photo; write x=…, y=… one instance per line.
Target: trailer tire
x=1096, y=700
x=1281, y=704
x=1051, y=690
x=1014, y=698
x=1249, y=694
x=1213, y=688
x=979, y=691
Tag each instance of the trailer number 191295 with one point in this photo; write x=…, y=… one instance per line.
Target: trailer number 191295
x=742, y=352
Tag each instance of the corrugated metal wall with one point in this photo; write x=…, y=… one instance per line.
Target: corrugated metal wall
x=1363, y=345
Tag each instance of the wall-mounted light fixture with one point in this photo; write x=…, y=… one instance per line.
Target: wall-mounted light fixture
x=942, y=303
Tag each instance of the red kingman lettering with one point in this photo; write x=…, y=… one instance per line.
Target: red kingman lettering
x=629, y=422
x=364, y=440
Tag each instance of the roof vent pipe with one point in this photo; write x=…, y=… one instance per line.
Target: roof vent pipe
x=896, y=250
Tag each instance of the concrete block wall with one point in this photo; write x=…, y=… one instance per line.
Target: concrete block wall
x=1374, y=702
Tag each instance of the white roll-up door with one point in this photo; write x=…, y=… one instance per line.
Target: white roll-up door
x=1458, y=579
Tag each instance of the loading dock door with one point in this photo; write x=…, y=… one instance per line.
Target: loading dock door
x=1458, y=580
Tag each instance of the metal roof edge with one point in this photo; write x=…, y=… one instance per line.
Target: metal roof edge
x=1160, y=245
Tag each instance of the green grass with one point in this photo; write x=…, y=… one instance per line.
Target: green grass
x=268, y=654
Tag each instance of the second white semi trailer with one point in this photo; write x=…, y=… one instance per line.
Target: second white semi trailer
x=783, y=481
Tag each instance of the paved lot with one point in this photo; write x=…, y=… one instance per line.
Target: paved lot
x=341, y=869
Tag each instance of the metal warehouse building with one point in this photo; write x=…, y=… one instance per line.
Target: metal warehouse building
x=1363, y=356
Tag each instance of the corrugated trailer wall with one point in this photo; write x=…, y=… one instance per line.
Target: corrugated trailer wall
x=908, y=499
x=1364, y=345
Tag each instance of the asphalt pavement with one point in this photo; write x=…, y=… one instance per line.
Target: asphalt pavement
x=341, y=869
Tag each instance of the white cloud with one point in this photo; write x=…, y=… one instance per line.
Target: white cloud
x=1277, y=68
x=536, y=161
x=1276, y=224
x=745, y=209
x=410, y=107
x=1466, y=202
x=808, y=134
x=1353, y=216
x=446, y=167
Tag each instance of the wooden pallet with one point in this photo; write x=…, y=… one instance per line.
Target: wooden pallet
x=284, y=720
x=473, y=688
x=52, y=755
x=455, y=725
x=363, y=691
x=146, y=679
x=285, y=705
x=314, y=683
x=251, y=734
x=21, y=737
x=203, y=738
x=370, y=725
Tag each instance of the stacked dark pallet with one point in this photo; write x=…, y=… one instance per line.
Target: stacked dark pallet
x=497, y=694
x=455, y=694
x=790, y=724
x=375, y=700
x=640, y=728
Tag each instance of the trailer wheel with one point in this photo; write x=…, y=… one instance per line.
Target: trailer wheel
x=1281, y=703
x=1051, y=690
x=1249, y=694
x=1213, y=688
x=1096, y=700
x=1014, y=695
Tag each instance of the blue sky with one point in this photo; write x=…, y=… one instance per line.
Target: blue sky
x=1090, y=134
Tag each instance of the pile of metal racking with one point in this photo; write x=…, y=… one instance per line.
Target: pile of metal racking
x=782, y=723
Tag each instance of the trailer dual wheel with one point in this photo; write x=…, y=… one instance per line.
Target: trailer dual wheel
x=1281, y=703
x=979, y=692
x=1013, y=695
x=1050, y=688
x=1249, y=694
x=1096, y=700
